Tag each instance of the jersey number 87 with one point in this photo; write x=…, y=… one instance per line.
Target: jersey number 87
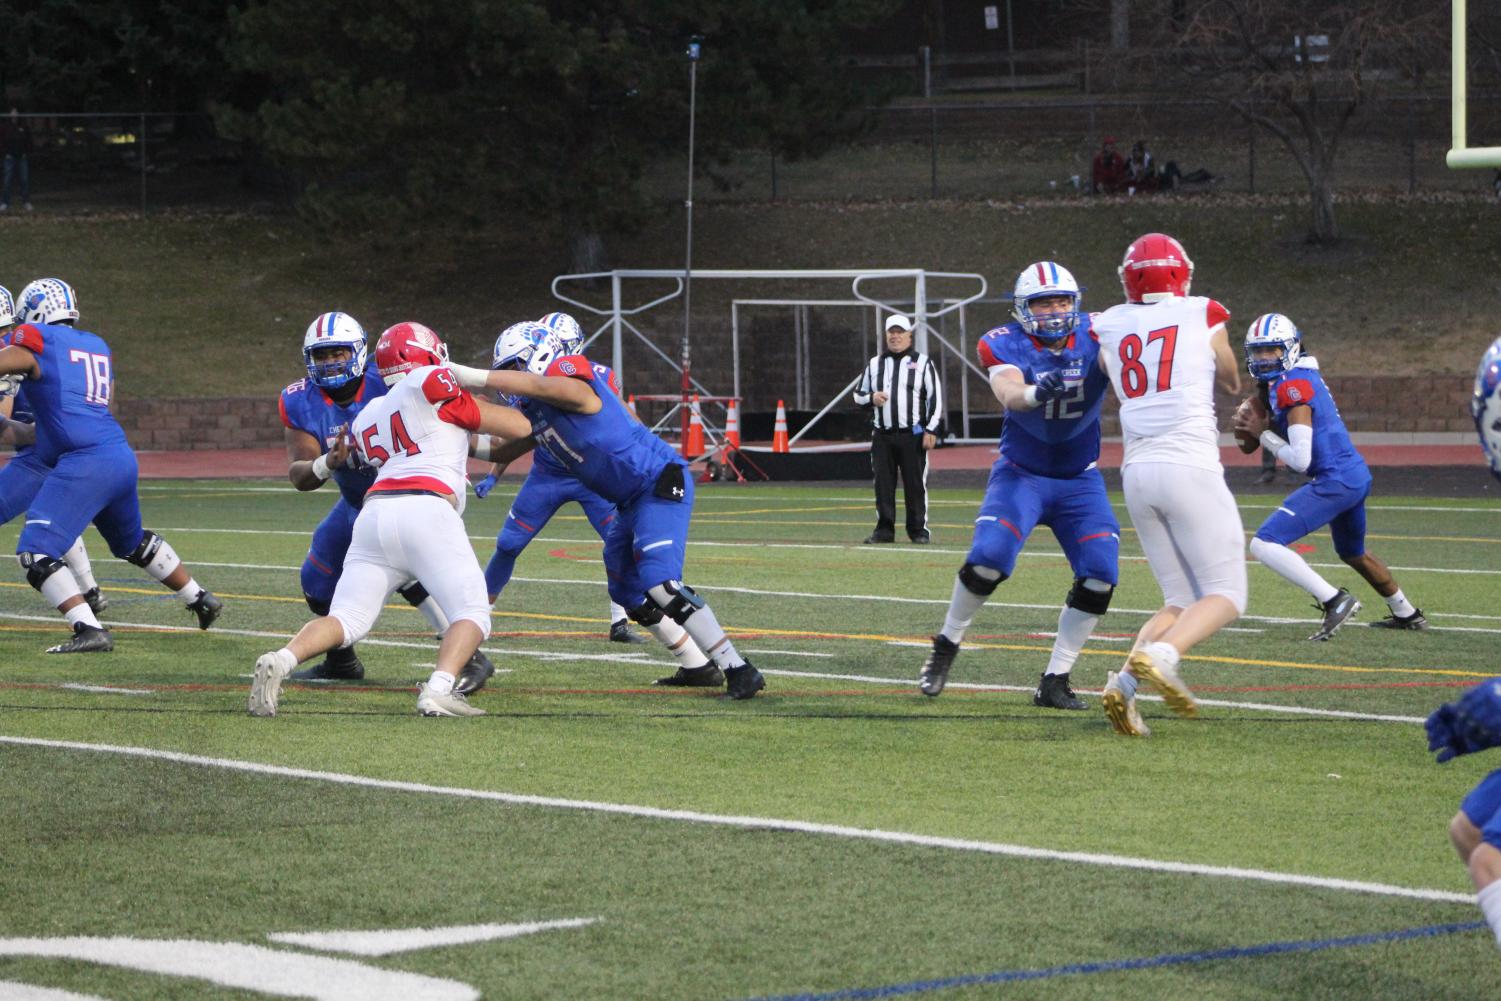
x=1135, y=380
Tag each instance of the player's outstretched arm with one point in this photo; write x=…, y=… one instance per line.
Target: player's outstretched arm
x=564, y=392
x=308, y=468
x=18, y=360
x=502, y=422
x=1013, y=390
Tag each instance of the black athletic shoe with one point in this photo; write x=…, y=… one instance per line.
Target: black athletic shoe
x=337, y=665
x=922, y=540
x=708, y=676
x=207, y=608
x=876, y=538
x=1337, y=610
x=86, y=639
x=1415, y=621
x=743, y=682
x=96, y=599
x=474, y=675
x=621, y=632
x=1055, y=692
x=935, y=670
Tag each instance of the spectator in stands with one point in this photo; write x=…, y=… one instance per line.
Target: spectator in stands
x=15, y=144
x=1108, y=175
x=1143, y=174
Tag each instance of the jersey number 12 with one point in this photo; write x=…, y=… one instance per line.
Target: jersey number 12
x=1136, y=381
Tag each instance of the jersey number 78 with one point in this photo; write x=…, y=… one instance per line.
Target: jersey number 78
x=1135, y=379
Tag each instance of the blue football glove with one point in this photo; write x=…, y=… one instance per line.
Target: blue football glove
x=1469, y=725
x=1049, y=386
x=484, y=486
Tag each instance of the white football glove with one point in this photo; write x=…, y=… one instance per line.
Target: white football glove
x=10, y=384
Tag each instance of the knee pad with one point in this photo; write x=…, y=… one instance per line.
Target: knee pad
x=978, y=580
x=1090, y=600
x=38, y=568
x=154, y=555
x=316, y=605
x=414, y=593
x=677, y=600
x=646, y=614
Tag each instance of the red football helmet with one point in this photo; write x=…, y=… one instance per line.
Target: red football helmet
x=405, y=347
x=1155, y=267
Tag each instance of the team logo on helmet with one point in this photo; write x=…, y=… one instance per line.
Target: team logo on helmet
x=49, y=300
x=334, y=330
x=1272, y=330
x=566, y=329
x=406, y=347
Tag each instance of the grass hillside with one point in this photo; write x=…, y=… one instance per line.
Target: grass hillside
x=216, y=304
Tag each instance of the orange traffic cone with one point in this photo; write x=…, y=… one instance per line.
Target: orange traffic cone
x=694, y=446
x=779, y=430
x=732, y=424
x=630, y=404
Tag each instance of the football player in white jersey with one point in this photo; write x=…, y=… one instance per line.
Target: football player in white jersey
x=1165, y=351
x=418, y=437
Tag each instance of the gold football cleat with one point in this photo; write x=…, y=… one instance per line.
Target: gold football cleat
x=1122, y=710
x=1165, y=679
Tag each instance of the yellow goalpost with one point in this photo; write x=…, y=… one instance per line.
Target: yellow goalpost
x=1460, y=154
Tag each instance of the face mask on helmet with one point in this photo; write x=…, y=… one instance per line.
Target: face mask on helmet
x=48, y=300
x=523, y=347
x=406, y=347
x=1485, y=406
x=328, y=367
x=569, y=335
x=1269, y=332
x=1041, y=281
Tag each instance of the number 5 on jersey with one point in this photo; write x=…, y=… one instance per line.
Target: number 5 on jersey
x=401, y=441
x=1136, y=381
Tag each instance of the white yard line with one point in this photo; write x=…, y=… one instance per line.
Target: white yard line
x=763, y=823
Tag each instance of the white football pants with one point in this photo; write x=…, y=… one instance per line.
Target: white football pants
x=1190, y=529
x=402, y=538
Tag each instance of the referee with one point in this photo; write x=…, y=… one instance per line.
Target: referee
x=901, y=387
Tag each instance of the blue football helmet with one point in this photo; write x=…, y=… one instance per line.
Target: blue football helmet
x=334, y=330
x=48, y=300
x=566, y=329
x=1485, y=406
x=1044, y=280
x=1272, y=330
x=526, y=347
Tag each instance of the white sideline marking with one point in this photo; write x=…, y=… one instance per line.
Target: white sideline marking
x=384, y=943
x=105, y=689
x=253, y=968
x=760, y=823
x=791, y=653
x=13, y=991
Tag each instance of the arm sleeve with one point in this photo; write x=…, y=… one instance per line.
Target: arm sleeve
x=935, y=398
x=1296, y=454
x=863, y=391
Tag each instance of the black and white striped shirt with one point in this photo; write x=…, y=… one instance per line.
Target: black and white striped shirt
x=910, y=380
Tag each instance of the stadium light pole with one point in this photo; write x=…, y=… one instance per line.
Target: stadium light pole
x=694, y=50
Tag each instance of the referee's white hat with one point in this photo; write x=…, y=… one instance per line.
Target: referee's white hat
x=896, y=321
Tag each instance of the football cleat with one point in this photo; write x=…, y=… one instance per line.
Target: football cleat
x=707, y=676
x=935, y=670
x=621, y=632
x=743, y=682
x=453, y=704
x=206, y=607
x=1165, y=679
x=474, y=675
x=265, y=690
x=86, y=639
x=338, y=665
x=1055, y=692
x=1121, y=709
x=1416, y=621
x=96, y=599
x=1337, y=611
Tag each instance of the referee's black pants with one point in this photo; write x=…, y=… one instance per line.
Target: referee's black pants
x=893, y=452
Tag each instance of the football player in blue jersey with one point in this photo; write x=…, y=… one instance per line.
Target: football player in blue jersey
x=577, y=417
x=22, y=477
x=1485, y=406
x=547, y=487
x=69, y=384
x=1043, y=371
x=1299, y=423
x=1469, y=724
x=316, y=412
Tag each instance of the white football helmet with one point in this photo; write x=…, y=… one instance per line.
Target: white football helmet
x=49, y=300
x=1039, y=281
x=1272, y=330
x=528, y=347
x=7, y=307
x=1485, y=406
x=566, y=329
x=334, y=330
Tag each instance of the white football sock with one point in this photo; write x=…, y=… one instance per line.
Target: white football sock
x=1489, y=899
x=81, y=612
x=1164, y=654
x=189, y=592
x=440, y=683
x=1292, y=568
x=711, y=639
x=964, y=605
x=616, y=613
x=1074, y=628
x=676, y=639
x=77, y=559
x=1399, y=605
